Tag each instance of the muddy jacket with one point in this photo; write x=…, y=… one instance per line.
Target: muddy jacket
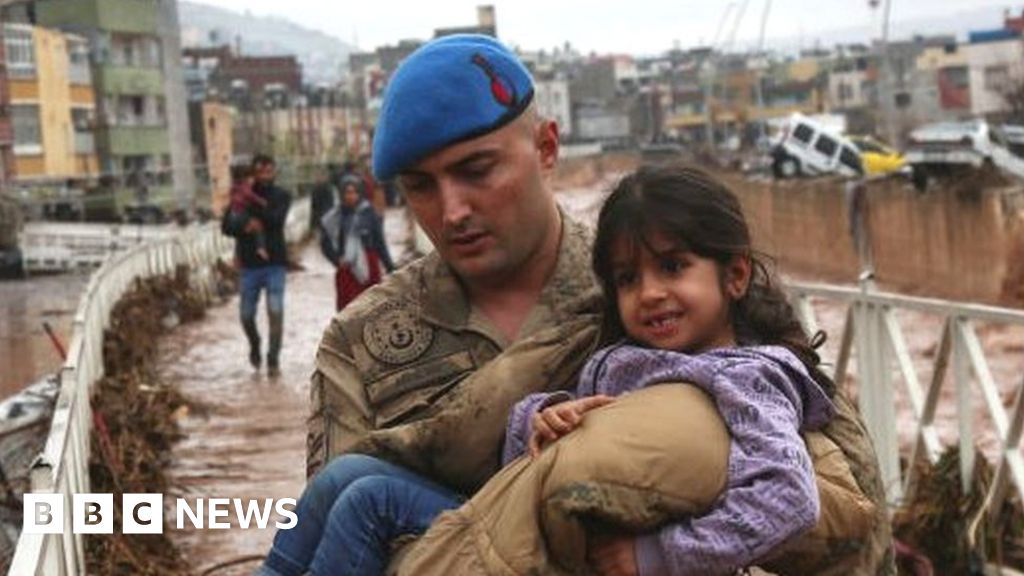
x=410, y=373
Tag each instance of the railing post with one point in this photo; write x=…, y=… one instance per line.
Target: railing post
x=965, y=411
x=876, y=396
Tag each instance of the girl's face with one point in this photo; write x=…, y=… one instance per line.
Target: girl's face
x=673, y=299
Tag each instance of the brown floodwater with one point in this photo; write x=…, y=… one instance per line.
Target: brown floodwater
x=26, y=352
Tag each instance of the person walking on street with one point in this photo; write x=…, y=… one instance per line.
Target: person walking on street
x=352, y=238
x=260, y=274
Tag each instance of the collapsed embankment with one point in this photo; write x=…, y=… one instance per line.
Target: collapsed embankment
x=960, y=240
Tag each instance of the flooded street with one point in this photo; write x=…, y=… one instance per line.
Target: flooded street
x=26, y=352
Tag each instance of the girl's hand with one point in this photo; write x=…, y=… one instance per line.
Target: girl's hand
x=612, y=555
x=556, y=421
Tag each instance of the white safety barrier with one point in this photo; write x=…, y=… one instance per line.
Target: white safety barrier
x=56, y=247
x=872, y=330
x=63, y=466
x=59, y=247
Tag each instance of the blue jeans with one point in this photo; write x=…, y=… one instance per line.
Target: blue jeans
x=254, y=280
x=350, y=513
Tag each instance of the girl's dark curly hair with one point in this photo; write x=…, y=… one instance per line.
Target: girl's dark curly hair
x=703, y=216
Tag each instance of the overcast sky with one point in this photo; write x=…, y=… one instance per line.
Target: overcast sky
x=627, y=26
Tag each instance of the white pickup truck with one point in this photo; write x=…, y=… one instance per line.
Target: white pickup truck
x=947, y=147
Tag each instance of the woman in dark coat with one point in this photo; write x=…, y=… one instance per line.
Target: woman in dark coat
x=352, y=238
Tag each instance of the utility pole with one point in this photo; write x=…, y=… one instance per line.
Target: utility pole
x=709, y=79
x=885, y=84
x=758, y=89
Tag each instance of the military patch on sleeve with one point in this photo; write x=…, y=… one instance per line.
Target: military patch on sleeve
x=396, y=335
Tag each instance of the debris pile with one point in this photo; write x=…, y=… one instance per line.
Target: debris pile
x=135, y=419
x=937, y=521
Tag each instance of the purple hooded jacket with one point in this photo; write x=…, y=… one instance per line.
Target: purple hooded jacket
x=766, y=397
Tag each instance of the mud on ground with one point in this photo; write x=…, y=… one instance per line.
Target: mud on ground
x=135, y=415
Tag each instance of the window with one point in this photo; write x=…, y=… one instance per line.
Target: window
x=997, y=78
x=850, y=159
x=21, y=53
x=78, y=61
x=845, y=92
x=803, y=133
x=903, y=100
x=28, y=138
x=826, y=145
x=82, y=120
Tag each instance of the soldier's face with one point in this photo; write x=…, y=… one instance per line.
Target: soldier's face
x=484, y=203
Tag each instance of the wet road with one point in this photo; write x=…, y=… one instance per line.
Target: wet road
x=26, y=353
x=249, y=438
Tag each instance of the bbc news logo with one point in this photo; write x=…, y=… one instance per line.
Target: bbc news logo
x=144, y=513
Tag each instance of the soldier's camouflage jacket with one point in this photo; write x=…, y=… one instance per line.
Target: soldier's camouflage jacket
x=409, y=372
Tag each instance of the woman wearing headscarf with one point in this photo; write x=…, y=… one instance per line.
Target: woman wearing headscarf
x=352, y=238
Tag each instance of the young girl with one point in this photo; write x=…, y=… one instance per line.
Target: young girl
x=244, y=203
x=691, y=304
x=694, y=304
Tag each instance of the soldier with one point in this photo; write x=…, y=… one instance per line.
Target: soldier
x=422, y=369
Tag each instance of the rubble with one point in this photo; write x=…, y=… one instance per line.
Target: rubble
x=136, y=418
x=936, y=521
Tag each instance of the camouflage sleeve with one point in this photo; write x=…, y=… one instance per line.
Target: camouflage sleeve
x=340, y=413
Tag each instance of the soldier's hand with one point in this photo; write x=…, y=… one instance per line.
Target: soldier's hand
x=556, y=421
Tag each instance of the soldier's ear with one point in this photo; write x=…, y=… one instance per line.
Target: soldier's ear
x=547, y=143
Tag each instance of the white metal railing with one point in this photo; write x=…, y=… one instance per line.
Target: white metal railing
x=48, y=247
x=872, y=330
x=63, y=465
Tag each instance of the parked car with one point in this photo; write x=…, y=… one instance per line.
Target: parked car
x=876, y=157
x=807, y=147
x=948, y=147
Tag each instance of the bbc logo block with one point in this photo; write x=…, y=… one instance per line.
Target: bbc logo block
x=144, y=513
x=93, y=513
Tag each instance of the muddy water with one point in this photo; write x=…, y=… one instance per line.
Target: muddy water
x=26, y=353
x=249, y=440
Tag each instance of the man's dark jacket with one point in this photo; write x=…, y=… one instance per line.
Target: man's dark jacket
x=272, y=216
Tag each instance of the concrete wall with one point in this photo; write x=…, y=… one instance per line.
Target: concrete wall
x=948, y=243
x=218, y=123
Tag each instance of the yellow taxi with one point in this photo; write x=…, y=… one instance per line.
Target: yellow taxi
x=876, y=157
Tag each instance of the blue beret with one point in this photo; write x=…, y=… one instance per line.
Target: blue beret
x=451, y=89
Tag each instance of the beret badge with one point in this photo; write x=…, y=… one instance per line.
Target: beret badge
x=502, y=90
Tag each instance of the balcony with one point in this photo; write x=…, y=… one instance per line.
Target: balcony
x=136, y=140
x=111, y=15
x=124, y=80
